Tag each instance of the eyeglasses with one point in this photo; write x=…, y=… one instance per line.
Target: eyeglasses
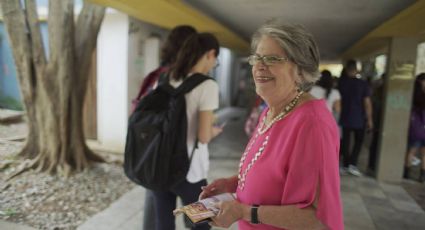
x=266, y=60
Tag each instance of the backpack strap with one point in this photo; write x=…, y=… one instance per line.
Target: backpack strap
x=191, y=82
x=195, y=146
x=150, y=80
x=187, y=85
x=163, y=78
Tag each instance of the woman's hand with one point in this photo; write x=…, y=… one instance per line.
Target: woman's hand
x=230, y=212
x=216, y=130
x=219, y=186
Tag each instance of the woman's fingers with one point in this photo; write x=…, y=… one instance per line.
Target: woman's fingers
x=216, y=187
x=207, y=191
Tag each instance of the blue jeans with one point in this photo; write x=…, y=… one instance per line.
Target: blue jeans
x=165, y=203
x=416, y=143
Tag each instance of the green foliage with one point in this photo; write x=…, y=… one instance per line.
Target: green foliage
x=8, y=212
x=10, y=103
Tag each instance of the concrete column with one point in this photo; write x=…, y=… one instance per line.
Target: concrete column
x=152, y=53
x=223, y=76
x=420, y=62
x=396, y=110
x=112, y=81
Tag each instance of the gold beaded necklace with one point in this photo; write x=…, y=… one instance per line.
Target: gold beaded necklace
x=261, y=130
x=287, y=109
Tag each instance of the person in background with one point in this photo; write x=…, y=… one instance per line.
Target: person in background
x=356, y=115
x=252, y=119
x=168, y=55
x=416, y=139
x=198, y=55
x=169, y=51
x=288, y=175
x=324, y=89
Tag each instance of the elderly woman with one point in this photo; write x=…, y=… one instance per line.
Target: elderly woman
x=288, y=175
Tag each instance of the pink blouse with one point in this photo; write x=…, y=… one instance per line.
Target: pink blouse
x=300, y=158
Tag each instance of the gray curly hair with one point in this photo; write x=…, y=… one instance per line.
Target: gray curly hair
x=299, y=46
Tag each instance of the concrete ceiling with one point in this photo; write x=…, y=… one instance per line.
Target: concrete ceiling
x=336, y=24
x=170, y=13
x=342, y=28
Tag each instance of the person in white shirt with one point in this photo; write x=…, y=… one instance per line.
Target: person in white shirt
x=198, y=55
x=324, y=89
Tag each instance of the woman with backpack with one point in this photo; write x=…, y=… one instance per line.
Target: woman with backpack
x=169, y=51
x=197, y=57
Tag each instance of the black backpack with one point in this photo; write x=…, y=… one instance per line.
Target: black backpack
x=156, y=154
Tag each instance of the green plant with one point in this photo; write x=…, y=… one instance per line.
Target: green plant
x=8, y=212
x=10, y=103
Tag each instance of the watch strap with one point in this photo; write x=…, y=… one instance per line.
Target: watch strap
x=254, y=214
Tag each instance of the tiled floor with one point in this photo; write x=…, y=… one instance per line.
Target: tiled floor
x=368, y=204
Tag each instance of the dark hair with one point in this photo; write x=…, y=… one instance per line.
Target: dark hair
x=418, y=93
x=326, y=81
x=190, y=53
x=350, y=65
x=174, y=41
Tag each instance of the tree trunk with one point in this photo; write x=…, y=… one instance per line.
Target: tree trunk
x=53, y=90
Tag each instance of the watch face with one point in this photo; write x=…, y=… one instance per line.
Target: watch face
x=254, y=214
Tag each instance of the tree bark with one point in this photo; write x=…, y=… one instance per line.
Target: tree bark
x=53, y=89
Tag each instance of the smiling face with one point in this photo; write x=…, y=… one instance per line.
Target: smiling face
x=273, y=82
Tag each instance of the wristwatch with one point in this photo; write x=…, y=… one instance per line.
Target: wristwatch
x=254, y=214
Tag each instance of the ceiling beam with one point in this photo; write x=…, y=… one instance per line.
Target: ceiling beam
x=170, y=13
x=409, y=22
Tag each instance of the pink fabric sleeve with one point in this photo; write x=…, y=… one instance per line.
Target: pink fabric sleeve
x=304, y=167
x=313, y=172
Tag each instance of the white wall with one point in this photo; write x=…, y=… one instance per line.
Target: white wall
x=127, y=50
x=152, y=48
x=224, y=76
x=143, y=53
x=420, y=59
x=112, y=81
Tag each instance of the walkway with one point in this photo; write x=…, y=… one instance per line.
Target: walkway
x=368, y=204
